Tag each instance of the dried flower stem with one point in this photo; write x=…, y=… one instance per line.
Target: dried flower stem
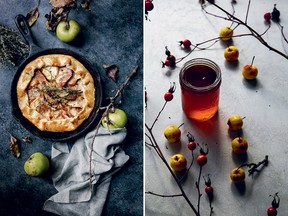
x=253, y=167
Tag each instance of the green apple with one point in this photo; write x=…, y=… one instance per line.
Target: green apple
x=68, y=33
x=172, y=133
x=116, y=118
x=37, y=164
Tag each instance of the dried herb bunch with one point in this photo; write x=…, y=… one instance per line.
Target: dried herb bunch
x=12, y=46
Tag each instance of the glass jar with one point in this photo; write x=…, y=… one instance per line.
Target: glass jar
x=200, y=81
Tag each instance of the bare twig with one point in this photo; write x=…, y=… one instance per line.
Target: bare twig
x=149, y=129
x=107, y=108
x=156, y=119
x=254, y=33
x=162, y=195
x=247, y=12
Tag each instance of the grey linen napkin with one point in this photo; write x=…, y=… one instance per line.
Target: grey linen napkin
x=71, y=174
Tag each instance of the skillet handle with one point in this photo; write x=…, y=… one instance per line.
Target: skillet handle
x=24, y=29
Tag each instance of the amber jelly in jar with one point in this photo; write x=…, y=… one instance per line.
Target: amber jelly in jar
x=200, y=81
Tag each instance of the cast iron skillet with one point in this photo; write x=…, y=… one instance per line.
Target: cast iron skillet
x=35, y=52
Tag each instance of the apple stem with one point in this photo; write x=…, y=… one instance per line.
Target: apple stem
x=252, y=60
x=67, y=24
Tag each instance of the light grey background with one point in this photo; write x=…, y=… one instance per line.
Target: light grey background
x=264, y=103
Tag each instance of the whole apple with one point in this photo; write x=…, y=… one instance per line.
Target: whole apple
x=37, y=164
x=250, y=72
x=231, y=53
x=226, y=33
x=237, y=175
x=178, y=162
x=239, y=145
x=116, y=118
x=67, y=33
x=235, y=122
x=172, y=133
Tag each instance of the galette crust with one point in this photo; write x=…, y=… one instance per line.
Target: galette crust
x=72, y=97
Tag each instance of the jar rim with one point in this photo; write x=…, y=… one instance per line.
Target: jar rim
x=200, y=62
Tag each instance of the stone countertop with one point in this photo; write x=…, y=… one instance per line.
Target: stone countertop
x=112, y=34
x=263, y=102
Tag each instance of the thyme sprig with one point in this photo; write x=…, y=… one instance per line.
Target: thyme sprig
x=60, y=94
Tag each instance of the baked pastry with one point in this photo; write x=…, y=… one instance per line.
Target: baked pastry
x=56, y=93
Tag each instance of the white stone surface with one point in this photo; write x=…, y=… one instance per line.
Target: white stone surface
x=263, y=103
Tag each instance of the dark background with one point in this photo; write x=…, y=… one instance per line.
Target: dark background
x=112, y=34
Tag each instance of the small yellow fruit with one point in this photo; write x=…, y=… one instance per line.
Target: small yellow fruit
x=235, y=122
x=226, y=33
x=237, y=175
x=239, y=145
x=172, y=133
x=250, y=72
x=178, y=162
x=231, y=53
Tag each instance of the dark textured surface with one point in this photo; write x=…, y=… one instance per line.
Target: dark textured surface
x=112, y=34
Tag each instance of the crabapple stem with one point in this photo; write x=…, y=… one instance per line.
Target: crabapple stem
x=252, y=60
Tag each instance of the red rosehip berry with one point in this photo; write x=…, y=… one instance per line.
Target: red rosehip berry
x=209, y=190
x=166, y=63
x=267, y=17
x=201, y=160
x=148, y=5
x=171, y=58
x=168, y=96
x=186, y=43
x=192, y=145
x=170, y=61
x=271, y=211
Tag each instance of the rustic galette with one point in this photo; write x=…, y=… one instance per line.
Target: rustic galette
x=56, y=93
